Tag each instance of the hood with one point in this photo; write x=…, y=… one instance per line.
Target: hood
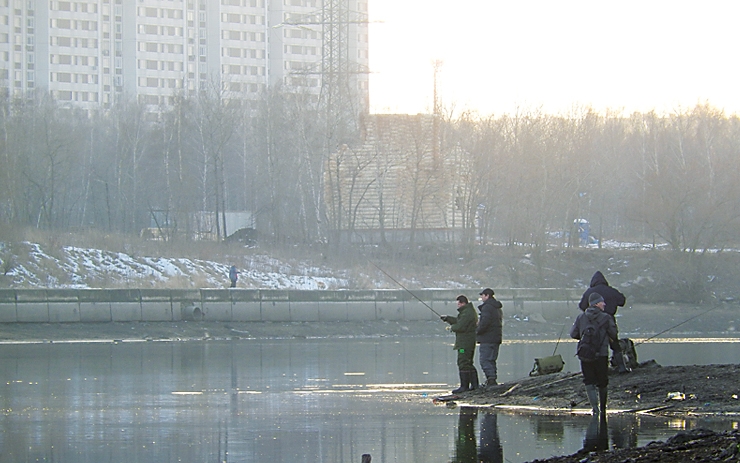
x=593, y=313
x=492, y=301
x=598, y=279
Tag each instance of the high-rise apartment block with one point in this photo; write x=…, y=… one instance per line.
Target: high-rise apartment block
x=92, y=53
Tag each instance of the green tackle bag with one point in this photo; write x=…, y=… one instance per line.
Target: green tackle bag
x=547, y=365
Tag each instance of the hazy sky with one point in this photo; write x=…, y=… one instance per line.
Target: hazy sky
x=633, y=55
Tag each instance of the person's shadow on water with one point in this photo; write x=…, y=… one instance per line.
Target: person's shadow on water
x=490, y=450
x=465, y=445
x=597, y=435
x=466, y=448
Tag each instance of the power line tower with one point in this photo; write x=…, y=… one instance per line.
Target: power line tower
x=343, y=25
x=340, y=98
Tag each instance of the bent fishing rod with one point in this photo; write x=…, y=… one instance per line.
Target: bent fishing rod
x=402, y=286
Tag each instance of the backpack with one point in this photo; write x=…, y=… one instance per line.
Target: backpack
x=590, y=342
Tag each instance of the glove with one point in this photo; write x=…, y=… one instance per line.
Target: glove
x=443, y=318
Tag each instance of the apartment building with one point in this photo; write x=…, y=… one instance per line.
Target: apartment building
x=92, y=53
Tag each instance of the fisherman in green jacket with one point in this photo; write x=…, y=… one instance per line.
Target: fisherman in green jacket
x=464, y=326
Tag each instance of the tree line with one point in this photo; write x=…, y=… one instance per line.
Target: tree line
x=521, y=178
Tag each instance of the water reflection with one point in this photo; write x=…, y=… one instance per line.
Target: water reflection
x=466, y=446
x=490, y=450
x=597, y=434
x=281, y=400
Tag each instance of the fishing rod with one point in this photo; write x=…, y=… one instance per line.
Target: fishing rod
x=558, y=343
x=402, y=286
x=677, y=325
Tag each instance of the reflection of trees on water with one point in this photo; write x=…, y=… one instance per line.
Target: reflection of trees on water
x=466, y=448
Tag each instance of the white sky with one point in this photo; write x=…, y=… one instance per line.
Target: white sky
x=631, y=55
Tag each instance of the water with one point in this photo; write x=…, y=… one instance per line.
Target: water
x=306, y=400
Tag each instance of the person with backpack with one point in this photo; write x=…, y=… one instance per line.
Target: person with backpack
x=613, y=298
x=594, y=329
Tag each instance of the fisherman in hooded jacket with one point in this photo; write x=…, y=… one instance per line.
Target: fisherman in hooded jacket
x=596, y=372
x=613, y=299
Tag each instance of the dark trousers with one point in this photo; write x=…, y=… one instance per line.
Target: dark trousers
x=465, y=359
x=596, y=372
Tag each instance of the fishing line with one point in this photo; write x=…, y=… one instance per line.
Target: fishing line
x=676, y=326
x=402, y=286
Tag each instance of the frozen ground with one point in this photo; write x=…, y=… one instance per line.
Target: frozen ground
x=76, y=267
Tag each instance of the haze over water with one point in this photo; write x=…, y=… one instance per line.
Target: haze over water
x=285, y=400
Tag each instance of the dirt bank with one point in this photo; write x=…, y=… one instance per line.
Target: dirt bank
x=699, y=389
x=699, y=445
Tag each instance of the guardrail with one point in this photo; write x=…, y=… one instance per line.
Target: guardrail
x=150, y=305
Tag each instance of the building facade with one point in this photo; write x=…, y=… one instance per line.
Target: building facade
x=398, y=185
x=93, y=53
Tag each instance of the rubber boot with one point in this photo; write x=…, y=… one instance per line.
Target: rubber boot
x=619, y=360
x=592, y=392
x=474, y=379
x=464, y=382
x=602, y=400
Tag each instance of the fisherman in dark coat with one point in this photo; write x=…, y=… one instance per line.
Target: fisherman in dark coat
x=596, y=372
x=464, y=328
x=613, y=298
x=489, y=334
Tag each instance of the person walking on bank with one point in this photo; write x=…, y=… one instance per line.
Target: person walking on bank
x=233, y=276
x=464, y=328
x=594, y=328
x=489, y=334
x=613, y=298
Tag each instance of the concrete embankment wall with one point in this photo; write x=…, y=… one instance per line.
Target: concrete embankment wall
x=151, y=305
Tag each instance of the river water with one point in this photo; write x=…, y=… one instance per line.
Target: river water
x=292, y=400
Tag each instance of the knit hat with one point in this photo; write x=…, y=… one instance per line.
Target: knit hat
x=594, y=299
x=487, y=291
